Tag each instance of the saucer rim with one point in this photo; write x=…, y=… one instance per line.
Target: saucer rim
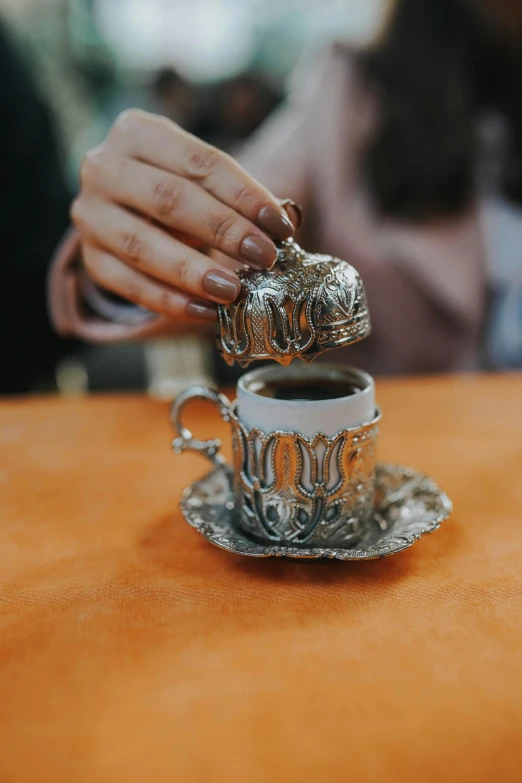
x=240, y=543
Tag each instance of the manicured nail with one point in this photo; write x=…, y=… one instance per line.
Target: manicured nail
x=275, y=222
x=294, y=211
x=259, y=251
x=223, y=286
x=202, y=310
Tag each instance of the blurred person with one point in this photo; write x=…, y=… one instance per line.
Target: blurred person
x=240, y=106
x=407, y=159
x=34, y=207
x=174, y=97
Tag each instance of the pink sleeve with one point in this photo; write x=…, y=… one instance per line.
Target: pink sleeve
x=78, y=308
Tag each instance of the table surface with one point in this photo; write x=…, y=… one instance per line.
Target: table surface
x=132, y=650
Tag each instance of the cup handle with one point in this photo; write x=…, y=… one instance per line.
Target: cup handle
x=185, y=441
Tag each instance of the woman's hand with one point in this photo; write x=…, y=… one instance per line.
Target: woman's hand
x=150, y=195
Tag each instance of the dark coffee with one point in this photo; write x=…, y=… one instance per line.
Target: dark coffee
x=297, y=391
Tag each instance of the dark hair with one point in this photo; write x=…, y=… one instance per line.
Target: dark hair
x=435, y=69
x=165, y=80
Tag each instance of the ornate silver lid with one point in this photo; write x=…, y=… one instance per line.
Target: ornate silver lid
x=305, y=305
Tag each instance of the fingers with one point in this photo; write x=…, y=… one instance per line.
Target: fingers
x=114, y=275
x=160, y=143
x=153, y=252
x=295, y=213
x=181, y=206
x=151, y=194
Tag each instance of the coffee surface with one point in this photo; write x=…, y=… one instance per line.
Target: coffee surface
x=297, y=391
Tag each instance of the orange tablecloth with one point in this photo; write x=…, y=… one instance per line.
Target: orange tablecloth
x=132, y=650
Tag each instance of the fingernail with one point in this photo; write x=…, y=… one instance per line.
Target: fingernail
x=294, y=212
x=223, y=286
x=276, y=222
x=202, y=310
x=258, y=251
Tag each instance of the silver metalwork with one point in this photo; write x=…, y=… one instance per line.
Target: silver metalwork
x=290, y=489
x=305, y=305
x=186, y=441
x=408, y=505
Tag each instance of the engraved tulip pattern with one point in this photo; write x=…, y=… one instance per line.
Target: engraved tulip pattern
x=306, y=304
x=297, y=490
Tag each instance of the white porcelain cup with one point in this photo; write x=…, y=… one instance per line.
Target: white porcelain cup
x=308, y=417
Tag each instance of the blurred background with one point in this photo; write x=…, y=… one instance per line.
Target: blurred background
x=217, y=67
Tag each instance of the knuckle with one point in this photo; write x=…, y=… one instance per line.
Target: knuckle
x=80, y=215
x=165, y=198
x=223, y=229
x=76, y=211
x=182, y=273
x=165, y=304
x=202, y=163
x=127, y=123
x=242, y=196
x=133, y=247
x=91, y=166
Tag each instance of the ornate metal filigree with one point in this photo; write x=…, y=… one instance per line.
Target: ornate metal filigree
x=305, y=305
x=407, y=506
x=291, y=489
x=296, y=490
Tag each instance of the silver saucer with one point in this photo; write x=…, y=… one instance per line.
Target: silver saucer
x=408, y=505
